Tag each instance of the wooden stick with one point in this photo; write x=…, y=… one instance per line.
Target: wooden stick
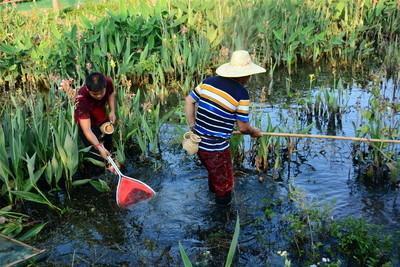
x=358, y=139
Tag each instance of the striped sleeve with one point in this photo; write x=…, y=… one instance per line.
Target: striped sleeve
x=242, y=110
x=196, y=93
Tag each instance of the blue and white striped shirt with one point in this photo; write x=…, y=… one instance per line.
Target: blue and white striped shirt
x=220, y=102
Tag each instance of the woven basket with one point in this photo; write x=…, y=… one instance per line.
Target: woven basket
x=191, y=142
x=107, y=128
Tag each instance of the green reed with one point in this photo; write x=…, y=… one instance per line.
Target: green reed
x=39, y=142
x=237, y=149
x=141, y=121
x=267, y=149
x=178, y=41
x=268, y=153
x=15, y=224
x=326, y=106
x=231, y=252
x=185, y=57
x=378, y=162
x=392, y=60
x=308, y=31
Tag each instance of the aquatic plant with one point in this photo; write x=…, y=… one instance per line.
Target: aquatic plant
x=270, y=152
x=325, y=107
x=142, y=121
x=316, y=237
x=392, y=61
x=15, y=224
x=38, y=143
x=236, y=144
x=284, y=255
x=362, y=243
x=267, y=149
x=231, y=252
x=377, y=162
x=135, y=36
x=185, y=57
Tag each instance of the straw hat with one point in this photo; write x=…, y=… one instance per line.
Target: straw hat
x=240, y=65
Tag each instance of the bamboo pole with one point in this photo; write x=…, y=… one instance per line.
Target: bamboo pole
x=350, y=138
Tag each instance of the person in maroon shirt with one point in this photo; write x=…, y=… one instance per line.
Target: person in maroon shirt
x=90, y=112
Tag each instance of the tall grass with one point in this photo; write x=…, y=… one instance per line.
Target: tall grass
x=38, y=141
x=378, y=162
x=179, y=40
x=326, y=106
x=309, y=31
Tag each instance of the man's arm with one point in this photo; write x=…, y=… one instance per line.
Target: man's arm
x=91, y=137
x=111, y=104
x=190, y=110
x=245, y=128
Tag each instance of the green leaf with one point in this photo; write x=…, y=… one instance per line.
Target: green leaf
x=32, y=232
x=234, y=243
x=103, y=43
x=56, y=168
x=278, y=34
x=33, y=175
x=185, y=258
x=118, y=43
x=80, y=182
x=12, y=229
x=100, y=185
x=95, y=161
x=54, y=31
x=6, y=208
x=86, y=22
x=48, y=173
x=28, y=196
x=73, y=153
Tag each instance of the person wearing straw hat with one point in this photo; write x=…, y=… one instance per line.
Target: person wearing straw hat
x=95, y=125
x=212, y=109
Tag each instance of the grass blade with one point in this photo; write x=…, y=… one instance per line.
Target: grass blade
x=234, y=243
x=185, y=258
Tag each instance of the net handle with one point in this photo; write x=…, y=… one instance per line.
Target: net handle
x=112, y=162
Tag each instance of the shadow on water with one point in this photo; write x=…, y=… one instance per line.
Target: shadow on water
x=97, y=232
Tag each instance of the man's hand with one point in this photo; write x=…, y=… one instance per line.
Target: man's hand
x=112, y=117
x=245, y=128
x=103, y=151
x=256, y=133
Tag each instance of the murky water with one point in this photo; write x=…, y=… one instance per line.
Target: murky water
x=96, y=232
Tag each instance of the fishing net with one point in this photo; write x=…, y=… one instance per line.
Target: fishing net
x=131, y=191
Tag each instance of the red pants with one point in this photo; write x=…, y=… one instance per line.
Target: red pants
x=220, y=171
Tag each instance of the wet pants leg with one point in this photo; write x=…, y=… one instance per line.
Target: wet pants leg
x=220, y=173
